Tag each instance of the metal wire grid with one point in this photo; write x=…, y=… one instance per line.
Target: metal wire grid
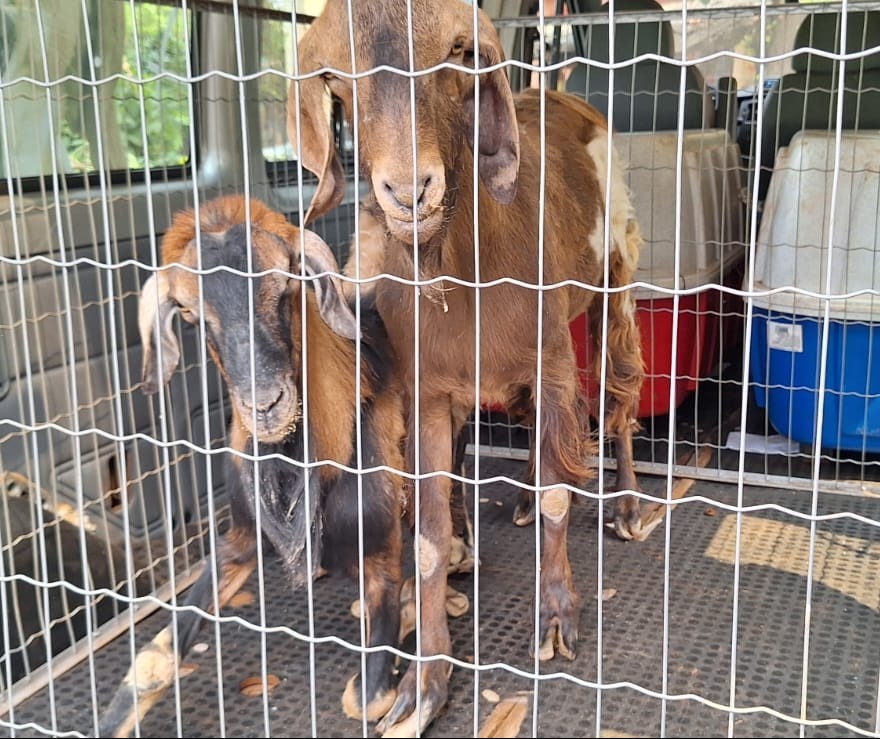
x=98, y=408
x=842, y=672
x=718, y=37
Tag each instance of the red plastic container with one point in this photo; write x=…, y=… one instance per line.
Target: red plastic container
x=708, y=321
x=697, y=329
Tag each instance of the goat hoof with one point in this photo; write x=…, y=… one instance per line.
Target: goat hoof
x=457, y=603
x=524, y=513
x=555, y=641
x=638, y=531
x=559, y=622
x=120, y=718
x=402, y=720
x=627, y=523
x=628, y=530
x=376, y=708
x=461, y=556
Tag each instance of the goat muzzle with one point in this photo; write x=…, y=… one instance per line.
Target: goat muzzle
x=412, y=205
x=275, y=417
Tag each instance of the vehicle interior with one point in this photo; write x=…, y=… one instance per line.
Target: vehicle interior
x=751, y=135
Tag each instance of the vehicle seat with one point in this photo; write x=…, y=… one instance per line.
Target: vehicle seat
x=807, y=97
x=646, y=94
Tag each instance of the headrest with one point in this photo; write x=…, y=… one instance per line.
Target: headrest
x=822, y=31
x=631, y=37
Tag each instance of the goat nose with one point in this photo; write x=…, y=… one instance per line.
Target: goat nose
x=265, y=401
x=427, y=194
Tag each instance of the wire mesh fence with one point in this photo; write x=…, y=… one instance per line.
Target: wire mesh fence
x=748, y=607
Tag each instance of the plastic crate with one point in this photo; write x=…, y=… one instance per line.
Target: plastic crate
x=785, y=367
x=706, y=233
x=708, y=323
x=812, y=259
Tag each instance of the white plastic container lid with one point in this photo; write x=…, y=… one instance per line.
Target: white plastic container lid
x=710, y=231
x=792, y=247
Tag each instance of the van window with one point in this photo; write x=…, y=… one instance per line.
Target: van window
x=91, y=86
x=276, y=57
x=277, y=52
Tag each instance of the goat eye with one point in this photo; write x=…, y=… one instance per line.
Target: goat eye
x=462, y=54
x=457, y=49
x=188, y=314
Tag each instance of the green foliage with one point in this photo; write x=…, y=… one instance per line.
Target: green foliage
x=77, y=148
x=149, y=117
x=155, y=110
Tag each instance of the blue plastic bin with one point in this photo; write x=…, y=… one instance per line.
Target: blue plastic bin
x=814, y=253
x=785, y=362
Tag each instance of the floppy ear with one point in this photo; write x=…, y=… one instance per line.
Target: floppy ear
x=156, y=306
x=332, y=305
x=315, y=143
x=498, y=155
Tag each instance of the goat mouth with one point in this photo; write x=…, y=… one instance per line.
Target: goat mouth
x=404, y=228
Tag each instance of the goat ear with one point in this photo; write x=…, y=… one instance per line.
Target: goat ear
x=498, y=154
x=318, y=153
x=156, y=306
x=334, y=308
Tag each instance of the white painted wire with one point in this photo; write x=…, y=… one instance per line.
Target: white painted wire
x=823, y=366
x=203, y=365
x=603, y=367
x=739, y=508
x=416, y=401
x=358, y=375
x=539, y=343
x=475, y=184
x=747, y=347
x=41, y=536
x=206, y=416
x=310, y=600
x=117, y=383
x=163, y=405
x=7, y=592
x=673, y=371
x=246, y=186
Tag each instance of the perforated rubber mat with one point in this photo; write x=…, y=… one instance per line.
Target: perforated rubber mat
x=670, y=620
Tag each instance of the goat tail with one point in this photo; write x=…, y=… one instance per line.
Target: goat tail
x=625, y=366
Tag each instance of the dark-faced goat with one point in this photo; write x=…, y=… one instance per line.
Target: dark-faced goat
x=422, y=192
x=253, y=322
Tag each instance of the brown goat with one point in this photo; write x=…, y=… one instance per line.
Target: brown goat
x=427, y=208
x=266, y=400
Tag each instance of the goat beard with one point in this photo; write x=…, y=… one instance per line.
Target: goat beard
x=291, y=517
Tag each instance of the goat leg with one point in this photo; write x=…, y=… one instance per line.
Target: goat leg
x=624, y=378
x=156, y=663
x=426, y=684
x=382, y=593
x=564, y=448
x=559, y=608
x=461, y=555
x=524, y=512
x=627, y=510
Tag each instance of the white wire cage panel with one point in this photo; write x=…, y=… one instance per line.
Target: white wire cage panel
x=93, y=507
x=749, y=605
x=700, y=173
